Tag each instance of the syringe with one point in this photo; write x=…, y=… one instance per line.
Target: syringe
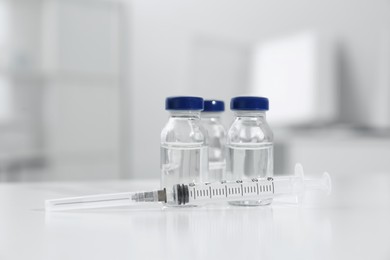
x=202, y=193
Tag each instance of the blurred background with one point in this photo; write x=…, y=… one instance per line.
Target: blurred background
x=83, y=82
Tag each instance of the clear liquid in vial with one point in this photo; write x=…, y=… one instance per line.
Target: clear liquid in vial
x=216, y=171
x=249, y=161
x=183, y=164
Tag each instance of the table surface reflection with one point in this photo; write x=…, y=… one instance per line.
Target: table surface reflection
x=352, y=223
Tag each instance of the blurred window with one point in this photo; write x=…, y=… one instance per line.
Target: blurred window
x=5, y=100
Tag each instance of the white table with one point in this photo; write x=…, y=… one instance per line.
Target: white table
x=350, y=224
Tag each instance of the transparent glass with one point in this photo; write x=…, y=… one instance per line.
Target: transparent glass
x=184, y=151
x=211, y=122
x=250, y=150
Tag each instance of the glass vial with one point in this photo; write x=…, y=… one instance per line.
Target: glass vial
x=250, y=143
x=184, y=152
x=211, y=121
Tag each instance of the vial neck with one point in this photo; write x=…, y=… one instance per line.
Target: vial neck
x=211, y=115
x=185, y=114
x=250, y=113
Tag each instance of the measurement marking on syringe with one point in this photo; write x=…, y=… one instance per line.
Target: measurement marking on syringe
x=226, y=191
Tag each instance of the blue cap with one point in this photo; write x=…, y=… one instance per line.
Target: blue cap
x=212, y=105
x=249, y=103
x=184, y=103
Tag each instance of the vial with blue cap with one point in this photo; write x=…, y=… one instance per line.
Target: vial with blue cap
x=211, y=121
x=250, y=143
x=184, y=151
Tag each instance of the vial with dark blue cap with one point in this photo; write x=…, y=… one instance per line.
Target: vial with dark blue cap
x=216, y=134
x=250, y=143
x=184, y=151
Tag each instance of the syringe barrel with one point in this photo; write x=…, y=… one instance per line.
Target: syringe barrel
x=255, y=189
x=197, y=194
